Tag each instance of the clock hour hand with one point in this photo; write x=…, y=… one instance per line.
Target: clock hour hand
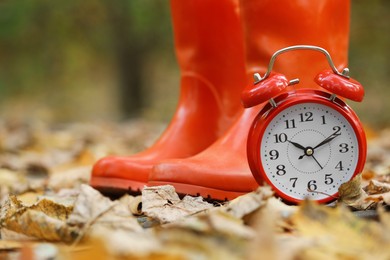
x=300, y=147
x=297, y=145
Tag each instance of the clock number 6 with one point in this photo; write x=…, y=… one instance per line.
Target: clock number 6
x=312, y=185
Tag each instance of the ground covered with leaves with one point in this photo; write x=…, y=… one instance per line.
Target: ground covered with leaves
x=48, y=210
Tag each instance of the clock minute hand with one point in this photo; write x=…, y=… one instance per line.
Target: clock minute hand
x=317, y=162
x=327, y=140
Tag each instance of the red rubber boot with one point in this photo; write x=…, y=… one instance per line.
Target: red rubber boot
x=210, y=52
x=221, y=171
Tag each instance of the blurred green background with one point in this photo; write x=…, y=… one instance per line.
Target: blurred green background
x=112, y=60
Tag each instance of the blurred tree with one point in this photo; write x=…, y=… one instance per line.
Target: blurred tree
x=137, y=28
x=370, y=57
x=57, y=49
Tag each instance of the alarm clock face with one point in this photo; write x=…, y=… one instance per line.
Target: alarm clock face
x=308, y=150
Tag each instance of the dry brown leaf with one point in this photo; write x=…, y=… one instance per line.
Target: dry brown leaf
x=9, y=178
x=281, y=214
x=337, y=233
x=12, y=182
x=39, y=225
x=9, y=235
x=9, y=245
x=264, y=243
x=273, y=226
x=212, y=234
x=89, y=206
x=383, y=197
x=45, y=251
x=226, y=224
x=215, y=222
x=30, y=153
x=368, y=174
x=52, y=209
x=70, y=178
x=377, y=187
x=386, y=198
x=29, y=198
x=43, y=220
x=248, y=203
x=64, y=197
x=121, y=242
x=134, y=204
x=352, y=194
x=163, y=203
x=92, y=210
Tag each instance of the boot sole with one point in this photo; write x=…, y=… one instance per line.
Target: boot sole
x=116, y=186
x=205, y=192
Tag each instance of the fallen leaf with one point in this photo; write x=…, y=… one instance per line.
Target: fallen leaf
x=93, y=210
x=264, y=243
x=208, y=235
x=386, y=198
x=9, y=245
x=163, y=203
x=65, y=197
x=383, y=197
x=215, y=222
x=376, y=187
x=9, y=235
x=12, y=182
x=44, y=219
x=52, y=209
x=121, y=242
x=134, y=203
x=39, y=225
x=281, y=214
x=352, y=194
x=36, y=175
x=368, y=174
x=337, y=233
x=29, y=198
x=226, y=224
x=248, y=203
x=89, y=205
x=45, y=251
x=70, y=178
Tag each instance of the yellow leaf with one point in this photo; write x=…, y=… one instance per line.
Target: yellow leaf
x=248, y=203
x=336, y=233
x=377, y=187
x=92, y=211
x=162, y=203
x=352, y=194
x=44, y=219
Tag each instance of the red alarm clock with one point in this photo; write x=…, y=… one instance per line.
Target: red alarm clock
x=305, y=143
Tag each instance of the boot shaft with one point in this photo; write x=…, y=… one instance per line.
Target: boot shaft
x=272, y=25
x=209, y=46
